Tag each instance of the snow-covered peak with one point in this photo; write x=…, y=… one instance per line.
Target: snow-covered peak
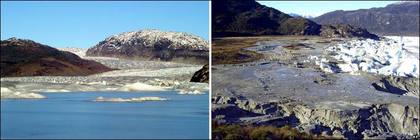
x=153, y=45
x=149, y=37
x=14, y=39
x=405, y=2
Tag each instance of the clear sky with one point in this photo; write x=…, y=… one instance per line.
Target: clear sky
x=83, y=24
x=317, y=8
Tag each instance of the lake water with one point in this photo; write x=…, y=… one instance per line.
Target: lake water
x=75, y=115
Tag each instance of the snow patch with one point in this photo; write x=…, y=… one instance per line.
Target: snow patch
x=194, y=92
x=81, y=52
x=8, y=93
x=150, y=37
x=54, y=90
x=141, y=87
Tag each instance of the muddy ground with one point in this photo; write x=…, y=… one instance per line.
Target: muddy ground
x=274, y=80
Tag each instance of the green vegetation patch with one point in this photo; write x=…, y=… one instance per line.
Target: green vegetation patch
x=232, y=51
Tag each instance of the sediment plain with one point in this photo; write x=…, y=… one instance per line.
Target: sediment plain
x=276, y=81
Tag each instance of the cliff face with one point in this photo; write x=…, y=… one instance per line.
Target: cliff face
x=249, y=18
x=201, y=75
x=28, y=58
x=345, y=31
x=154, y=45
x=395, y=19
x=377, y=121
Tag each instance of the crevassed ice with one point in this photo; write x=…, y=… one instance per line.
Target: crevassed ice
x=388, y=56
x=183, y=87
x=142, y=87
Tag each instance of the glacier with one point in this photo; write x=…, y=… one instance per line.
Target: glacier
x=391, y=55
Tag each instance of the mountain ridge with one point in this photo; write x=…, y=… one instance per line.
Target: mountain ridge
x=153, y=44
x=23, y=57
x=249, y=18
x=400, y=18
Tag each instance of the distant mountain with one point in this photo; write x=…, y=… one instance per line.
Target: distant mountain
x=400, y=18
x=21, y=57
x=294, y=15
x=299, y=15
x=154, y=45
x=249, y=18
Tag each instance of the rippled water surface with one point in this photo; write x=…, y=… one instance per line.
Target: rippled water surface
x=75, y=115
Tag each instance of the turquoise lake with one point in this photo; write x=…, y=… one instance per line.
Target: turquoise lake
x=75, y=115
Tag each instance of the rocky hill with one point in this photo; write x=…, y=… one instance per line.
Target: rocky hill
x=345, y=31
x=400, y=18
x=201, y=75
x=21, y=57
x=154, y=45
x=249, y=18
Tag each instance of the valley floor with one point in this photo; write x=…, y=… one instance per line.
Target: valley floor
x=287, y=86
x=131, y=76
x=141, y=99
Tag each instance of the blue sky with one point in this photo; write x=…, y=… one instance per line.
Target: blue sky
x=316, y=8
x=83, y=24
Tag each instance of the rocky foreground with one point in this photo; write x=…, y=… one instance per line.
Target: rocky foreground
x=287, y=88
x=372, y=121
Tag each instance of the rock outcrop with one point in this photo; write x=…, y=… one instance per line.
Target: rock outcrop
x=201, y=75
x=398, y=85
x=375, y=121
x=249, y=18
x=154, y=45
x=395, y=19
x=21, y=57
x=345, y=31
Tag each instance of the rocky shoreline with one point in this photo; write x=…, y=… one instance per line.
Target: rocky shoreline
x=130, y=76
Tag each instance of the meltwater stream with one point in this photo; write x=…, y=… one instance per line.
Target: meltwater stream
x=76, y=115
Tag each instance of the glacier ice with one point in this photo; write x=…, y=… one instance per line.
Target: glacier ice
x=9, y=93
x=388, y=56
x=142, y=87
x=139, y=99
